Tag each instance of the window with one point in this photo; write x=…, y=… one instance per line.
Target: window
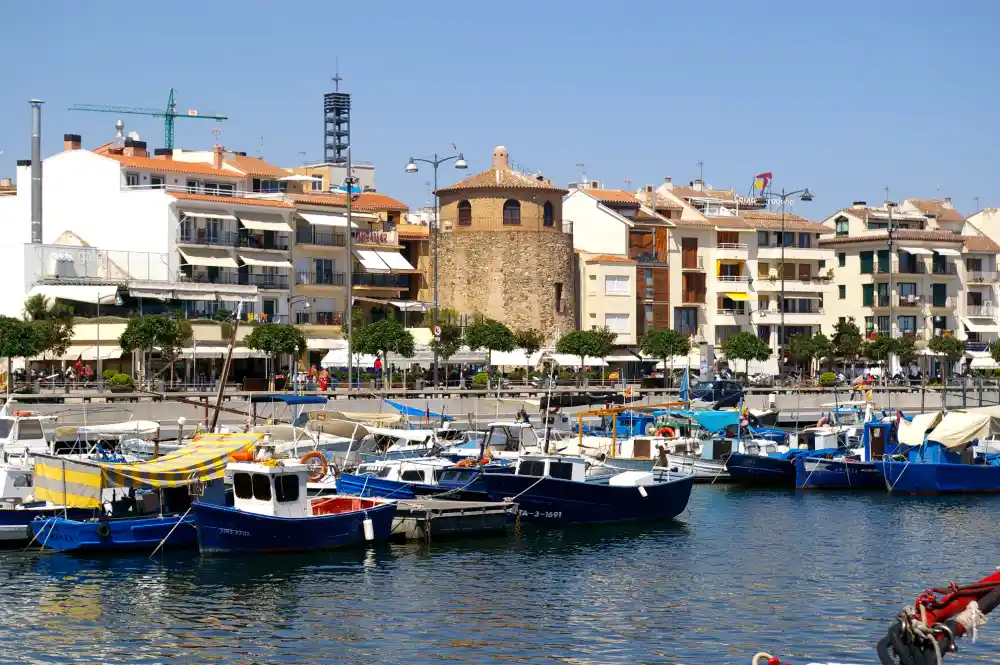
x=616, y=285
x=561, y=470
x=648, y=291
x=261, y=487
x=907, y=289
x=939, y=296
x=764, y=302
x=822, y=263
x=548, y=214
x=805, y=241
x=225, y=188
x=464, y=213
x=841, y=259
x=131, y=179
x=842, y=292
x=532, y=468
x=511, y=212
x=648, y=315
x=286, y=488
x=686, y=320
x=883, y=325
x=559, y=297
x=324, y=271
x=242, y=487
x=762, y=239
x=193, y=185
x=763, y=269
x=867, y=295
x=883, y=260
x=789, y=239
x=412, y=475
x=157, y=182
x=907, y=324
x=869, y=324
x=842, y=226
x=317, y=185
x=616, y=322
x=974, y=265
x=867, y=263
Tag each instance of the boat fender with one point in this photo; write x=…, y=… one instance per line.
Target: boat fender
x=103, y=530
x=484, y=461
x=321, y=467
x=669, y=431
x=369, y=529
x=642, y=492
x=765, y=659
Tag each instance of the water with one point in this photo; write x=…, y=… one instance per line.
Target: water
x=809, y=576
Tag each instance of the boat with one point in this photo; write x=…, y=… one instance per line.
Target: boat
x=272, y=513
x=940, y=454
x=393, y=479
x=152, y=509
x=851, y=468
x=556, y=490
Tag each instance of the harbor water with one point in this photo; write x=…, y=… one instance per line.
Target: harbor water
x=812, y=576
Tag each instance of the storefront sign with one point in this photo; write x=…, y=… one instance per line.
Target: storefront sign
x=375, y=237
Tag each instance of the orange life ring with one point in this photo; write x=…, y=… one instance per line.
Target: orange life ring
x=485, y=461
x=242, y=456
x=464, y=463
x=315, y=472
x=669, y=431
x=825, y=420
x=24, y=413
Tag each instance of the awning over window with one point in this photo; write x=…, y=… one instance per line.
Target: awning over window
x=203, y=352
x=196, y=295
x=159, y=294
x=93, y=294
x=983, y=363
x=568, y=360
x=213, y=258
x=916, y=250
x=264, y=260
x=371, y=260
x=977, y=327
x=206, y=215
x=396, y=261
x=320, y=219
x=266, y=224
x=735, y=295
x=109, y=351
x=948, y=252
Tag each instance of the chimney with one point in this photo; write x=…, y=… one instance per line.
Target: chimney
x=163, y=153
x=36, y=171
x=947, y=202
x=698, y=185
x=217, y=157
x=135, y=148
x=501, y=160
x=71, y=142
x=667, y=183
x=859, y=204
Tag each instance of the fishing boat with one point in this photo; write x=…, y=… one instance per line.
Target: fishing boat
x=272, y=513
x=149, y=500
x=851, y=468
x=393, y=479
x=18, y=507
x=556, y=490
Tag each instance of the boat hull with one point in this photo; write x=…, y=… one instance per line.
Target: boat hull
x=761, y=470
x=226, y=530
x=703, y=470
x=922, y=478
x=15, y=523
x=369, y=486
x=140, y=533
x=813, y=473
x=555, y=502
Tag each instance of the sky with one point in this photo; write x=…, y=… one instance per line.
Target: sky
x=844, y=98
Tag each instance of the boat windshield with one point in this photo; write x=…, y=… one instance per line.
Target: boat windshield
x=6, y=425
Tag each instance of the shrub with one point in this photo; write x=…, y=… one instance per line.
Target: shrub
x=108, y=373
x=120, y=381
x=479, y=380
x=827, y=379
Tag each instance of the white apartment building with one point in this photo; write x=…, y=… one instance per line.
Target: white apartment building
x=943, y=272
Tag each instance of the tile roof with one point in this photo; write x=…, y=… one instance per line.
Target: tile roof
x=692, y=193
x=613, y=196
x=172, y=166
x=764, y=219
x=364, y=202
x=940, y=209
x=268, y=203
x=663, y=202
x=412, y=231
x=900, y=234
x=980, y=244
x=255, y=167
x=502, y=178
x=609, y=258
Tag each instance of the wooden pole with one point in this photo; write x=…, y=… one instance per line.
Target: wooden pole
x=226, y=366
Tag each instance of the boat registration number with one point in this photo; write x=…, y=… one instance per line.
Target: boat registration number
x=235, y=532
x=543, y=514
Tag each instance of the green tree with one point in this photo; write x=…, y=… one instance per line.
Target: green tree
x=277, y=339
x=53, y=321
x=581, y=343
x=486, y=333
x=381, y=338
x=604, y=341
x=449, y=342
x=802, y=351
x=847, y=340
x=746, y=346
x=18, y=339
x=665, y=344
x=531, y=341
x=877, y=350
x=952, y=349
x=145, y=333
x=823, y=348
x=905, y=348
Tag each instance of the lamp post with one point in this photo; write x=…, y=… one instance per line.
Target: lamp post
x=804, y=195
x=435, y=162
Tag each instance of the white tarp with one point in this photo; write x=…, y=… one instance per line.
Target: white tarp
x=264, y=260
x=395, y=261
x=916, y=250
x=321, y=343
x=983, y=363
x=213, y=258
x=206, y=215
x=911, y=433
x=127, y=427
x=203, y=352
x=318, y=219
x=371, y=261
x=960, y=428
x=338, y=358
x=266, y=224
x=77, y=293
x=623, y=356
x=948, y=252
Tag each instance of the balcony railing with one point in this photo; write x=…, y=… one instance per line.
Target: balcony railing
x=982, y=277
x=743, y=279
x=387, y=281
x=688, y=264
x=911, y=300
x=312, y=236
x=917, y=268
x=319, y=318
x=203, y=237
x=985, y=310
x=212, y=278
x=943, y=269
x=731, y=245
x=278, y=242
x=265, y=281
x=949, y=303
x=693, y=298
x=774, y=312
x=647, y=257
x=321, y=278
x=730, y=311
x=977, y=346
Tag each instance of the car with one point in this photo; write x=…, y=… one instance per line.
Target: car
x=722, y=393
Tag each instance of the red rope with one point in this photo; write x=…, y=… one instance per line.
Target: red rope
x=954, y=598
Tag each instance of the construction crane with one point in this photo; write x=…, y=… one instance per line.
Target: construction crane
x=168, y=115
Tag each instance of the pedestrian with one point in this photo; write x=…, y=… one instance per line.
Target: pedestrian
x=324, y=379
x=378, y=372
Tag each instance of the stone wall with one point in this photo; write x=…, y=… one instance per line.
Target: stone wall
x=510, y=277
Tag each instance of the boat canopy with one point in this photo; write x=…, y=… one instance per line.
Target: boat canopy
x=412, y=435
x=713, y=421
x=958, y=429
x=911, y=432
x=291, y=399
x=79, y=483
x=415, y=412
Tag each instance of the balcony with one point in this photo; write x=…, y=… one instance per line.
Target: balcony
x=977, y=346
x=211, y=277
x=312, y=236
x=730, y=312
x=944, y=303
x=943, y=269
x=793, y=284
x=983, y=311
x=915, y=268
x=309, y=318
x=265, y=281
x=648, y=258
x=982, y=277
x=770, y=252
x=773, y=315
x=911, y=300
x=202, y=237
x=278, y=242
x=320, y=278
x=732, y=282
x=693, y=298
x=692, y=263
x=365, y=279
x=731, y=250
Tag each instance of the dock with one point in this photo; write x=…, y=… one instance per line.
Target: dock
x=429, y=519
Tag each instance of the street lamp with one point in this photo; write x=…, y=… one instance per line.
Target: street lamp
x=411, y=167
x=804, y=195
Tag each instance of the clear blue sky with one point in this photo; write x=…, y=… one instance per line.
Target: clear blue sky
x=844, y=97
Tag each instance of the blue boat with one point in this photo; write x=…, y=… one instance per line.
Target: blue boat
x=554, y=490
x=408, y=479
x=272, y=513
x=851, y=468
x=134, y=533
x=15, y=523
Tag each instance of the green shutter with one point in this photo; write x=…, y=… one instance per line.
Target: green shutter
x=883, y=260
x=867, y=294
x=843, y=291
x=842, y=259
x=939, y=295
x=867, y=263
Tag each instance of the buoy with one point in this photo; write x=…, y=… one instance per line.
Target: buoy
x=642, y=491
x=317, y=463
x=24, y=413
x=242, y=455
x=369, y=529
x=665, y=430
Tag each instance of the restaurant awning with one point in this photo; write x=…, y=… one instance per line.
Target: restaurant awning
x=983, y=363
x=736, y=295
x=948, y=252
x=203, y=352
x=916, y=250
x=371, y=260
x=623, y=356
x=213, y=258
x=266, y=224
x=569, y=360
x=109, y=351
x=196, y=295
x=264, y=260
x=159, y=294
x=206, y=215
x=977, y=328
x=77, y=293
x=321, y=219
x=396, y=261
x=322, y=343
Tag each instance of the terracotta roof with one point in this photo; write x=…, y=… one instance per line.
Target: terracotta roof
x=172, y=166
x=255, y=167
x=980, y=244
x=609, y=258
x=269, y=203
x=502, y=179
x=900, y=234
x=412, y=230
x=937, y=208
x=103, y=149
x=613, y=196
x=364, y=202
x=692, y=193
x=763, y=219
x=663, y=202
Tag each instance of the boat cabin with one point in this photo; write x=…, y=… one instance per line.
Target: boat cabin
x=16, y=483
x=420, y=470
x=278, y=491
x=879, y=439
x=21, y=435
x=510, y=437
x=554, y=466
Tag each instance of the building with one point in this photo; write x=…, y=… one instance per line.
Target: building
x=505, y=251
x=943, y=272
x=331, y=176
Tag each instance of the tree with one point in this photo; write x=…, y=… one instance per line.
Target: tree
x=276, y=339
x=905, y=348
x=450, y=341
x=381, y=338
x=530, y=340
x=822, y=348
x=145, y=333
x=847, y=340
x=664, y=344
x=877, y=350
x=485, y=333
x=746, y=346
x=18, y=339
x=952, y=349
x=54, y=323
x=582, y=343
x=801, y=350
x=604, y=341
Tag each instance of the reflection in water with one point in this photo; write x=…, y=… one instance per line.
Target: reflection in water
x=809, y=575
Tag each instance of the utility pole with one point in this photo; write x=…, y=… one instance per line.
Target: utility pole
x=889, y=205
x=348, y=182
x=701, y=171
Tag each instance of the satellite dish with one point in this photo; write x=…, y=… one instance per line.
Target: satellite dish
x=133, y=135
